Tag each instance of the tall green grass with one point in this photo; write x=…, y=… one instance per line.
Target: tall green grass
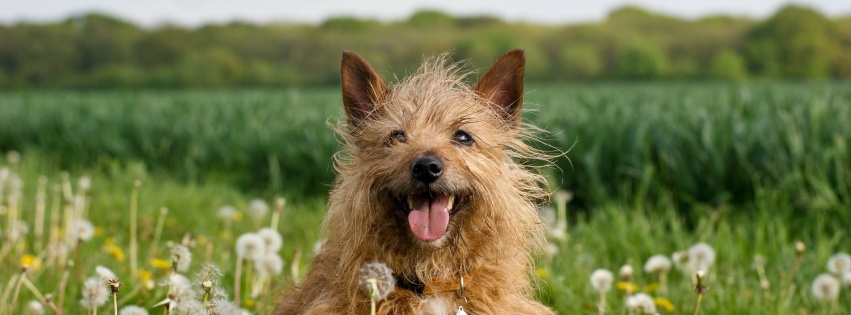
x=688, y=143
x=617, y=233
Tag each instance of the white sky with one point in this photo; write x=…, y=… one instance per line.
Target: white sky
x=197, y=12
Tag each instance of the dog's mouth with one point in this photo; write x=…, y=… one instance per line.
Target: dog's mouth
x=429, y=214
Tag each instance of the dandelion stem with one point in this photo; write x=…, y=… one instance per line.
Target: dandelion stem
x=134, y=198
x=373, y=294
x=237, y=278
x=40, y=206
x=602, y=308
x=697, y=306
x=158, y=232
x=115, y=304
x=16, y=292
x=62, y=284
x=34, y=290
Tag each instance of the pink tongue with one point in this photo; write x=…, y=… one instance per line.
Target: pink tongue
x=428, y=222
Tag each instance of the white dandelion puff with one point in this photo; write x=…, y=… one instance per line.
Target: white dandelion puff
x=846, y=280
x=250, y=246
x=179, y=288
x=272, y=238
x=181, y=257
x=34, y=308
x=223, y=307
x=83, y=230
x=601, y=280
x=132, y=310
x=657, y=264
x=84, y=183
x=95, y=293
x=825, y=287
x=258, y=208
x=626, y=272
x=641, y=303
x=701, y=256
x=839, y=264
x=270, y=264
x=227, y=213
x=381, y=275
x=104, y=273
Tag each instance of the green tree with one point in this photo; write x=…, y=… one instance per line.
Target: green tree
x=797, y=42
x=641, y=59
x=728, y=65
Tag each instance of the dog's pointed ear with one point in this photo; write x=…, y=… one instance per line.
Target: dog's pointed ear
x=502, y=85
x=362, y=87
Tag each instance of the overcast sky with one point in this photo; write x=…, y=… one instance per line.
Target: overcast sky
x=196, y=12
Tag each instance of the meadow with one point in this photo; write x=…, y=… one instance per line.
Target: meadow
x=749, y=169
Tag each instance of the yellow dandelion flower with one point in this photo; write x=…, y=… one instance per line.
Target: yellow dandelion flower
x=161, y=264
x=664, y=303
x=542, y=272
x=202, y=240
x=627, y=286
x=249, y=303
x=115, y=252
x=653, y=287
x=237, y=216
x=31, y=261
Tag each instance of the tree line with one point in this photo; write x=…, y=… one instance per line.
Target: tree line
x=98, y=51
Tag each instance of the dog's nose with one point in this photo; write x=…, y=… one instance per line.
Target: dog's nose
x=427, y=169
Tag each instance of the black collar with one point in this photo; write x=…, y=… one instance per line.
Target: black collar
x=416, y=286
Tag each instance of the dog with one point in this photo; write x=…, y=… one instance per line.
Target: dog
x=435, y=181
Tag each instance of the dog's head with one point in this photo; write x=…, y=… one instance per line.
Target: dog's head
x=433, y=154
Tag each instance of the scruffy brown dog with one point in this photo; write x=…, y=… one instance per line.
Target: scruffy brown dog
x=432, y=182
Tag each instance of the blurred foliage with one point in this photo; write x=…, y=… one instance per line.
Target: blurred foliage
x=678, y=143
x=97, y=51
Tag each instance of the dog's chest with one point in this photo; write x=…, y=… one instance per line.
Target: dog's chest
x=438, y=305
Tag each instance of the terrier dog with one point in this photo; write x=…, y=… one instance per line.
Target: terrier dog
x=434, y=181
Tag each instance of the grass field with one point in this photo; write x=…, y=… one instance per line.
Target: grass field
x=748, y=169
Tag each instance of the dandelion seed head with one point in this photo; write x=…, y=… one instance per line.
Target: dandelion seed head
x=223, y=307
x=104, y=273
x=701, y=256
x=250, y=246
x=626, y=272
x=227, y=213
x=13, y=157
x=825, y=287
x=846, y=280
x=839, y=264
x=179, y=288
x=95, y=293
x=657, y=264
x=132, y=310
x=601, y=280
x=34, y=308
x=270, y=264
x=189, y=307
x=641, y=303
x=258, y=208
x=563, y=196
x=800, y=247
x=383, y=276
x=84, y=183
x=83, y=230
x=272, y=238
x=181, y=257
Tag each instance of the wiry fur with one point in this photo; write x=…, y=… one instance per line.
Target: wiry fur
x=490, y=239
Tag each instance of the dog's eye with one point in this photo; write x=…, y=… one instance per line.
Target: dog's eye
x=463, y=137
x=397, y=136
